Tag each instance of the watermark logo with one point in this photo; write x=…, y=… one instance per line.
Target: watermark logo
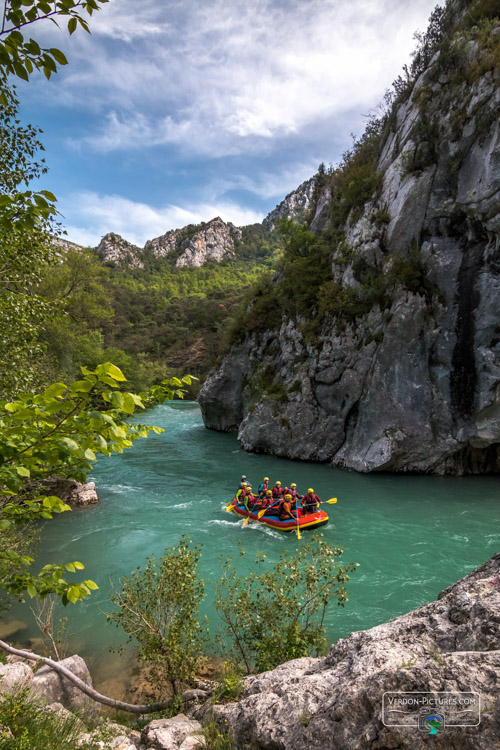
x=431, y=712
x=431, y=722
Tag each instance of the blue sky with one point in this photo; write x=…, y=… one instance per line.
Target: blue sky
x=176, y=111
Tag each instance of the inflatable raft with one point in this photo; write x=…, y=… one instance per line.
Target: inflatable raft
x=306, y=523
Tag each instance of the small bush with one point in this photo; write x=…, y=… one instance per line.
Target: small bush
x=35, y=728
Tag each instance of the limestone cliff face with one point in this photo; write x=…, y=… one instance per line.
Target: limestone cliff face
x=412, y=385
x=190, y=246
x=295, y=205
x=113, y=248
x=448, y=646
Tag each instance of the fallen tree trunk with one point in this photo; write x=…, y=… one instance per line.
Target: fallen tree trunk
x=81, y=685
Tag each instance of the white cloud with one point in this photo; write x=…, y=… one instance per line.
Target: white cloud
x=226, y=78
x=89, y=216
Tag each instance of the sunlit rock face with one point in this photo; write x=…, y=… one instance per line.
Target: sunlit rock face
x=450, y=645
x=295, y=205
x=191, y=246
x=411, y=385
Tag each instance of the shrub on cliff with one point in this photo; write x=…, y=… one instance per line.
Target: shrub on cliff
x=277, y=614
x=158, y=606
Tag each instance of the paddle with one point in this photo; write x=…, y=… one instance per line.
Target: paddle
x=297, y=517
x=230, y=506
x=331, y=500
x=261, y=512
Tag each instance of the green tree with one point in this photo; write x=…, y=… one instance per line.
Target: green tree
x=60, y=432
x=26, y=220
x=158, y=606
x=275, y=614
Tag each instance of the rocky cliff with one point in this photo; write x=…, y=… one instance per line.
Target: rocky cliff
x=193, y=245
x=394, y=364
x=445, y=648
x=295, y=205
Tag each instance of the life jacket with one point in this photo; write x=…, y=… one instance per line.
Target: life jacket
x=240, y=495
x=277, y=492
x=310, y=500
x=263, y=486
x=285, y=510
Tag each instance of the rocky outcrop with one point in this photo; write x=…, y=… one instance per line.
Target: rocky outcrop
x=294, y=206
x=193, y=245
x=411, y=382
x=70, y=491
x=214, y=241
x=114, y=249
x=448, y=646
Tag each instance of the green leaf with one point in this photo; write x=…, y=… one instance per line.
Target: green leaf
x=91, y=585
x=117, y=399
x=69, y=443
x=61, y=59
x=31, y=590
x=23, y=471
x=55, y=390
x=72, y=25
x=90, y=455
x=109, y=369
x=81, y=386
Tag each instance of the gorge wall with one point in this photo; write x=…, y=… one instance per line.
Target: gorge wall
x=410, y=381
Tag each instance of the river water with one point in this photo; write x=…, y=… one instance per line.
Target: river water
x=411, y=535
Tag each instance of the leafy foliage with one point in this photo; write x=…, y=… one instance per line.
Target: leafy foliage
x=25, y=222
x=61, y=431
x=21, y=57
x=277, y=614
x=158, y=606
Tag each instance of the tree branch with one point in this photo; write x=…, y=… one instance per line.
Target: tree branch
x=81, y=685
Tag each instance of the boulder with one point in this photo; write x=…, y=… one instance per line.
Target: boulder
x=14, y=676
x=53, y=688
x=172, y=734
x=448, y=646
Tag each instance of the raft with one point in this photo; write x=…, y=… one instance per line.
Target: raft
x=306, y=523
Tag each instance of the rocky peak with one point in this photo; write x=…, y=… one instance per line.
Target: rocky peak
x=195, y=245
x=294, y=206
x=113, y=248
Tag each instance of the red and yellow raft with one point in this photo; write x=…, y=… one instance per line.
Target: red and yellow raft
x=306, y=522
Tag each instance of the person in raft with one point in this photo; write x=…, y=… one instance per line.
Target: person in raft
x=263, y=487
x=267, y=499
x=249, y=500
x=285, y=509
x=242, y=491
x=277, y=491
x=310, y=502
x=293, y=492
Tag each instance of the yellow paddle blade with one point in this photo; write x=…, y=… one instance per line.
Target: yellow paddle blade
x=261, y=513
x=245, y=522
x=298, y=533
x=230, y=507
x=332, y=500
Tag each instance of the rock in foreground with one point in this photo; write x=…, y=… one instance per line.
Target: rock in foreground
x=450, y=645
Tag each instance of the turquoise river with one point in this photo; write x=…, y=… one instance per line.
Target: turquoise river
x=411, y=535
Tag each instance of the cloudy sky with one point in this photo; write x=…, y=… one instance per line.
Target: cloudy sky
x=176, y=111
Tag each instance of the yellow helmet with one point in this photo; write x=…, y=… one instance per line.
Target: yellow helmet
x=293, y=484
x=287, y=495
x=310, y=489
x=266, y=479
x=278, y=483
x=268, y=492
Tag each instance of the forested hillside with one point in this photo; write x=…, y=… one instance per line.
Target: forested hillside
x=150, y=319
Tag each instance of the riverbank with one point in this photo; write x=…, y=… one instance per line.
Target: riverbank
x=450, y=646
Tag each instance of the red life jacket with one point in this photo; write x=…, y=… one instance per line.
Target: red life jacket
x=277, y=492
